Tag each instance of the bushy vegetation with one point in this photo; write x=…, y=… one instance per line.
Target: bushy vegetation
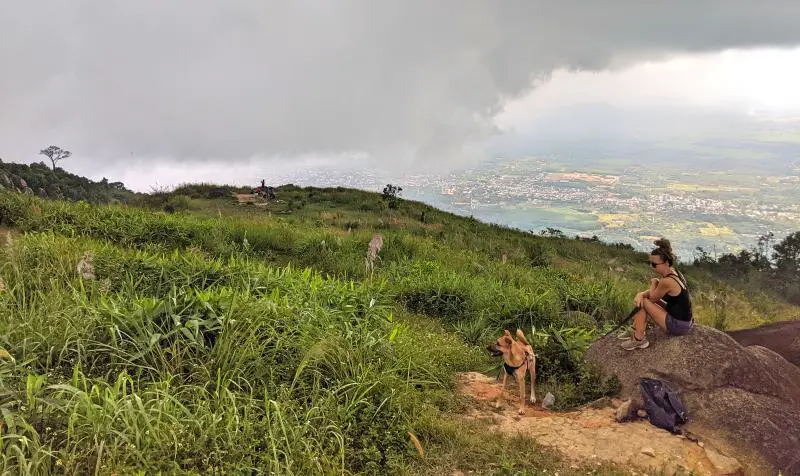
x=767, y=265
x=218, y=338
x=40, y=180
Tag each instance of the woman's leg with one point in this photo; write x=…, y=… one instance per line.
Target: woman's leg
x=639, y=323
x=657, y=313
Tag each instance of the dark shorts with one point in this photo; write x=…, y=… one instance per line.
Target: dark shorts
x=678, y=327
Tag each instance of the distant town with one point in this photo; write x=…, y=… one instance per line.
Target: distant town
x=634, y=207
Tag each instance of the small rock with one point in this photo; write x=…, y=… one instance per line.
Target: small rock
x=549, y=399
x=623, y=411
x=701, y=444
x=649, y=451
x=725, y=465
x=641, y=413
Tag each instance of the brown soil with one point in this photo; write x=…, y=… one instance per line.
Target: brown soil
x=6, y=234
x=783, y=338
x=588, y=435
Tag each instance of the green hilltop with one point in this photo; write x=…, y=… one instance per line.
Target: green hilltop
x=183, y=332
x=56, y=183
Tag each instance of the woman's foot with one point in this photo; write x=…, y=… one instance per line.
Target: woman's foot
x=625, y=334
x=634, y=343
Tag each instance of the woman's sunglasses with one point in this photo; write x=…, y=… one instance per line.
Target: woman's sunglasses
x=653, y=265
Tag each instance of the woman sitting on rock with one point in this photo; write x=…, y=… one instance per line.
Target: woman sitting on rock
x=667, y=302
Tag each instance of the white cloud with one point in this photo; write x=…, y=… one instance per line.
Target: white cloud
x=735, y=80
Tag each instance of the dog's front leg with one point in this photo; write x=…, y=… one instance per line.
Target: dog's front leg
x=521, y=385
x=502, y=390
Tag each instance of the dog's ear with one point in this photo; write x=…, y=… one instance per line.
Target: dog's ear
x=506, y=332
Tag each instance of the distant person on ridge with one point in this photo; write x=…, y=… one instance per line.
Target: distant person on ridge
x=667, y=302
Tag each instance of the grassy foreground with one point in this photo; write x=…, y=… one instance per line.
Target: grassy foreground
x=240, y=340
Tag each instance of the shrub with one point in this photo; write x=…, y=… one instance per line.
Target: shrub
x=176, y=203
x=442, y=303
x=391, y=194
x=588, y=384
x=537, y=254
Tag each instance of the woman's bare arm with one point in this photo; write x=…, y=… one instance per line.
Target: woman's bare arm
x=664, y=286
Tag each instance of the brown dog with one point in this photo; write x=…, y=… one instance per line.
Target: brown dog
x=518, y=357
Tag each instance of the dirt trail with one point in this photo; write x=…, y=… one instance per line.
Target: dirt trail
x=590, y=435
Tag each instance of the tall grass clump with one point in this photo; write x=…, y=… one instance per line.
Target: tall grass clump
x=257, y=368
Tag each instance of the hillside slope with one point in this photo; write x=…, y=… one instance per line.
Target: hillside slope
x=39, y=179
x=229, y=337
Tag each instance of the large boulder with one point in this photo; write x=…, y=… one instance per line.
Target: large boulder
x=748, y=396
x=781, y=337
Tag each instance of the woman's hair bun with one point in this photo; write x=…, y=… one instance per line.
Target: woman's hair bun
x=664, y=250
x=664, y=244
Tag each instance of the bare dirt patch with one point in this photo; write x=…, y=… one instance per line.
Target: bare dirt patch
x=590, y=435
x=783, y=338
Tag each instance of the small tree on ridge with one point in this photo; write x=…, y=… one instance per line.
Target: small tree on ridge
x=55, y=153
x=390, y=193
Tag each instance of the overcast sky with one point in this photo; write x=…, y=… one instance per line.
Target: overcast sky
x=190, y=85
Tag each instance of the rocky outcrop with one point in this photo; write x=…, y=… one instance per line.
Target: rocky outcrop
x=751, y=395
x=783, y=338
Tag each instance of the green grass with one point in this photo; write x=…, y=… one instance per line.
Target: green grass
x=225, y=339
x=790, y=137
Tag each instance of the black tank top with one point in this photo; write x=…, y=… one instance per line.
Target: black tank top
x=680, y=306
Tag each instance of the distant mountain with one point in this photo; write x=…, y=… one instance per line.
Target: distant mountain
x=694, y=138
x=39, y=179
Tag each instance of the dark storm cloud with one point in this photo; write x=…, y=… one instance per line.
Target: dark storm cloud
x=235, y=79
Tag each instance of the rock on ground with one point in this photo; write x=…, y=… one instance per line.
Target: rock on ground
x=623, y=412
x=724, y=465
x=748, y=396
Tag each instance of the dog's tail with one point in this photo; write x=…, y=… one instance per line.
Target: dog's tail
x=521, y=336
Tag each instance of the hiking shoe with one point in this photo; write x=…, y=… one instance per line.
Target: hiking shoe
x=625, y=334
x=633, y=344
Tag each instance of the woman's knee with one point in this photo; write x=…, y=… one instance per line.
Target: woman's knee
x=661, y=321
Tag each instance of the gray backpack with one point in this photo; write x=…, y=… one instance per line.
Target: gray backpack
x=664, y=408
